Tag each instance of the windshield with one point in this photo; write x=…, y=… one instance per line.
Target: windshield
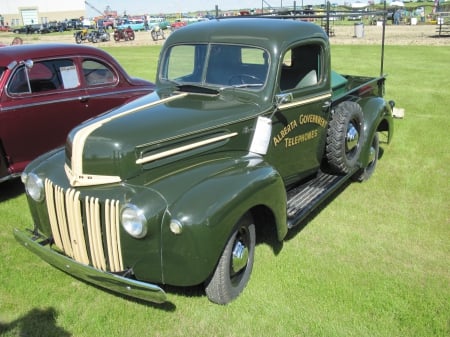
x=216, y=64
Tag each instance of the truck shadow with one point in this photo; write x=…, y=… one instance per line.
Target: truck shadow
x=11, y=189
x=36, y=321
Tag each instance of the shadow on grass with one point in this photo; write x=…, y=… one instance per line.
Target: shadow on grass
x=11, y=189
x=40, y=322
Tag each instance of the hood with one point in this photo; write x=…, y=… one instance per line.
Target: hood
x=151, y=131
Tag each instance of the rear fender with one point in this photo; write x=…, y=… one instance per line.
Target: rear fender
x=377, y=117
x=208, y=213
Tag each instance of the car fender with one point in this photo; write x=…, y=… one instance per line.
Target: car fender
x=377, y=117
x=208, y=212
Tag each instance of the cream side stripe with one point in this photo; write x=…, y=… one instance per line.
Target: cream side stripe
x=183, y=148
x=305, y=101
x=83, y=134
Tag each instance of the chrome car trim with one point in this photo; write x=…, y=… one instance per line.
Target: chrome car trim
x=116, y=283
x=180, y=149
x=304, y=101
x=77, y=229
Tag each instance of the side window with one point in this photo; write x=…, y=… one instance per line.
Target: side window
x=97, y=74
x=301, y=67
x=44, y=76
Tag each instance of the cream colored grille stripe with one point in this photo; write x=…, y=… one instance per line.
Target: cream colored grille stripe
x=62, y=221
x=50, y=199
x=81, y=136
x=112, y=235
x=305, y=101
x=180, y=149
x=76, y=226
x=71, y=230
x=95, y=235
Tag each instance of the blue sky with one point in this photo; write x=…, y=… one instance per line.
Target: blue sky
x=181, y=6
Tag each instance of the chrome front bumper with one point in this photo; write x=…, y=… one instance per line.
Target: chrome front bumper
x=113, y=282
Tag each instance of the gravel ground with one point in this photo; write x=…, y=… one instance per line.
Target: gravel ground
x=395, y=35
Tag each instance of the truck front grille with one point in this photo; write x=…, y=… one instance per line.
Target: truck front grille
x=85, y=229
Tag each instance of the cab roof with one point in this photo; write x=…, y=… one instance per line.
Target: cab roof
x=264, y=32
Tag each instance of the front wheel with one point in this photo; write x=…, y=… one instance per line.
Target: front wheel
x=154, y=35
x=235, y=265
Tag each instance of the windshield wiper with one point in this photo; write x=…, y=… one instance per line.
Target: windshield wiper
x=196, y=89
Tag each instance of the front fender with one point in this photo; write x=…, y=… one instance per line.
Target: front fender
x=377, y=117
x=208, y=213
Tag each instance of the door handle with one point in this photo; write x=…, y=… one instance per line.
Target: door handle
x=83, y=99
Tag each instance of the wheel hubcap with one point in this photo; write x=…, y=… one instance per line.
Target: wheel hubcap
x=352, y=137
x=372, y=155
x=240, y=257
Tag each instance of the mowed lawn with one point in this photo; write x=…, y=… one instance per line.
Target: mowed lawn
x=373, y=262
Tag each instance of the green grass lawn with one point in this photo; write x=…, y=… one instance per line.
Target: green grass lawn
x=373, y=262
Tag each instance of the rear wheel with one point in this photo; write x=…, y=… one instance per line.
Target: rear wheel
x=235, y=265
x=344, y=138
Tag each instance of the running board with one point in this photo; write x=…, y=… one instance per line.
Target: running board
x=304, y=198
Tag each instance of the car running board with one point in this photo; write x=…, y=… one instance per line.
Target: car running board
x=304, y=198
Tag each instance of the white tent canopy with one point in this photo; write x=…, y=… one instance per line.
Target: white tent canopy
x=397, y=4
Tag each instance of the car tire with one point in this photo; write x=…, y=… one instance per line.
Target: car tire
x=235, y=264
x=344, y=138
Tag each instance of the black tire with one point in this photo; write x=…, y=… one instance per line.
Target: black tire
x=374, y=152
x=154, y=35
x=344, y=138
x=235, y=265
x=78, y=39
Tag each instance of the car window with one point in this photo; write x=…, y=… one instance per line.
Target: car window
x=96, y=73
x=44, y=76
x=241, y=66
x=301, y=67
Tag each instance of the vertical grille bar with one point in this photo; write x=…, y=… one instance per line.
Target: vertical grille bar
x=112, y=235
x=76, y=226
x=95, y=234
x=80, y=235
x=62, y=221
x=50, y=199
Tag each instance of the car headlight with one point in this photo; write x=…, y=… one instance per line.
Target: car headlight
x=134, y=221
x=34, y=186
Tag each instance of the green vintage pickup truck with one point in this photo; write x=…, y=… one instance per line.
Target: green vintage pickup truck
x=248, y=129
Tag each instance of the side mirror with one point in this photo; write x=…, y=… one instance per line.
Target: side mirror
x=283, y=98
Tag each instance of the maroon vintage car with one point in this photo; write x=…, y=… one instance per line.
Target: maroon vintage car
x=47, y=89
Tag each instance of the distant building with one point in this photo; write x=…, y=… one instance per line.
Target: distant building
x=27, y=12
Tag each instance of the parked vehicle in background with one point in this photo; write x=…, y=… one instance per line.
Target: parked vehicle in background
x=248, y=131
x=107, y=24
x=47, y=89
x=126, y=34
x=5, y=28
x=73, y=24
x=28, y=29
x=81, y=35
x=157, y=32
x=134, y=24
x=100, y=35
x=177, y=24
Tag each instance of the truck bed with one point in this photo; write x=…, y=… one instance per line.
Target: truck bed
x=347, y=85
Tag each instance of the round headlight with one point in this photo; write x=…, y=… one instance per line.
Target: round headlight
x=134, y=221
x=34, y=187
